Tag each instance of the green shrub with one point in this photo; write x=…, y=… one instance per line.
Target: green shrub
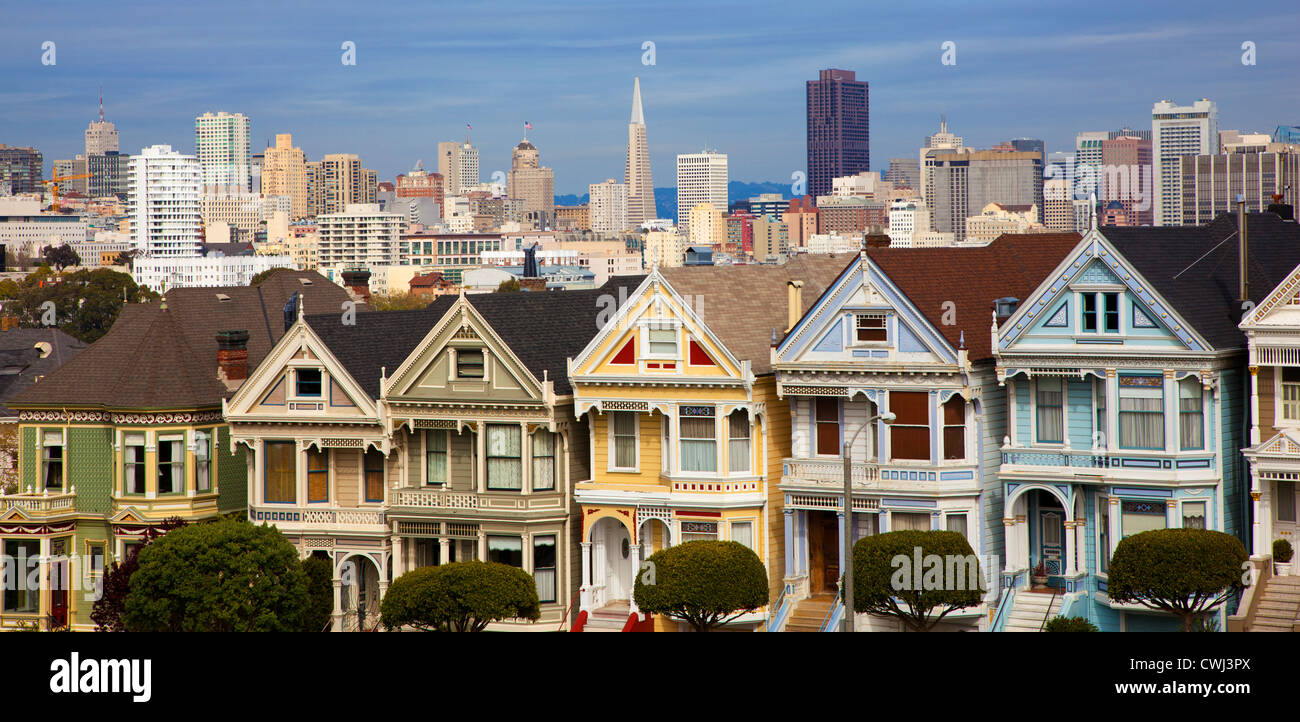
x=1184, y=572
x=459, y=597
x=1282, y=551
x=1069, y=624
x=320, y=593
x=703, y=583
x=885, y=580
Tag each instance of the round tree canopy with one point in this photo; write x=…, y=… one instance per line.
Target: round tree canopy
x=460, y=597
x=703, y=583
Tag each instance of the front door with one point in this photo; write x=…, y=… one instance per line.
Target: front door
x=823, y=552
x=1051, y=535
x=618, y=561
x=1285, y=523
x=59, y=581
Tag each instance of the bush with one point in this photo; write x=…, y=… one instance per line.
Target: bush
x=1282, y=551
x=1070, y=624
x=459, y=597
x=703, y=583
x=1206, y=624
x=320, y=593
x=885, y=582
x=1184, y=572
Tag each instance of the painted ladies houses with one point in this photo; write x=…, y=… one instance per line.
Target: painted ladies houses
x=128, y=433
x=1127, y=393
x=901, y=331
x=687, y=433
x=402, y=439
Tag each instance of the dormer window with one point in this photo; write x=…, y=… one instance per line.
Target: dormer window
x=870, y=328
x=1101, y=312
x=469, y=364
x=308, y=382
x=663, y=342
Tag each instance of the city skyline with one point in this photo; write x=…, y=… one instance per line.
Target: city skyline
x=731, y=82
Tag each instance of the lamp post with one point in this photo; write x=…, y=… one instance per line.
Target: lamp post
x=887, y=417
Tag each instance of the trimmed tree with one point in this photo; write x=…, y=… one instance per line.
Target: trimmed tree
x=459, y=597
x=703, y=583
x=916, y=577
x=109, y=606
x=1069, y=624
x=320, y=593
x=223, y=576
x=1185, y=572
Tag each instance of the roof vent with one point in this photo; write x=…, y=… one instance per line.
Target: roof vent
x=223, y=298
x=1005, y=306
x=305, y=281
x=44, y=347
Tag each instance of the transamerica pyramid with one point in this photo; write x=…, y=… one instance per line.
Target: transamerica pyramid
x=636, y=175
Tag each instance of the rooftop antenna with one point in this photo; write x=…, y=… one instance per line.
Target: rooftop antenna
x=101, y=103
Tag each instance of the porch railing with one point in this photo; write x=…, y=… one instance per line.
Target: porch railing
x=1004, y=610
x=831, y=622
x=776, y=620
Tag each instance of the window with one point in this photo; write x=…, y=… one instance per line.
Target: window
x=908, y=521
x=743, y=532
x=1111, y=311
x=699, y=531
x=507, y=550
x=308, y=382
x=1193, y=515
x=544, y=567
x=909, y=436
x=1291, y=393
x=662, y=341
x=954, y=428
x=1286, y=501
x=202, y=461
x=827, y=420
x=318, y=475
x=624, y=430
x=1191, y=415
x=133, y=469
x=504, y=460
x=1089, y=312
x=1099, y=394
x=374, y=475
x=957, y=523
x=96, y=561
x=469, y=363
x=1103, y=532
x=280, y=472
x=1141, y=412
x=435, y=453
x=738, y=459
x=870, y=327
x=52, y=458
x=171, y=464
x=699, y=440
x=1139, y=516
x=21, y=558
x=1107, y=304
x=543, y=460
x=1050, y=414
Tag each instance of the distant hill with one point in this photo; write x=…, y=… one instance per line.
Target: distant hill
x=666, y=198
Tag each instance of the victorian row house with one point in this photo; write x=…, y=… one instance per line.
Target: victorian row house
x=129, y=433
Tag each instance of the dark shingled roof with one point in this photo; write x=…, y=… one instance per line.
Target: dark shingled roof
x=22, y=360
x=1195, y=267
x=543, y=329
x=156, y=358
x=972, y=278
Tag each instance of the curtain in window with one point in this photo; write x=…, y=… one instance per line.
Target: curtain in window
x=743, y=532
x=1139, y=516
x=624, y=439
x=663, y=341
x=738, y=441
x=957, y=523
x=1191, y=416
x=133, y=463
x=504, y=463
x=544, y=567
x=171, y=466
x=906, y=521
x=53, y=459
x=699, y=444
x=279, y=471
x=202, y=461
x=1099, y=393
x=1194, y=515
x=1051, y=428
x=543, y=460
x=1141, y=413
x=435, y=457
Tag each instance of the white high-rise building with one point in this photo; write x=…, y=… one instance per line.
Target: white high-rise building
x=101, y=136
x=359, y=237
x=701, y=178
x=458, y=164
x=222, y=146
x=1178, y=130
x=163, y=202
x=939, y=142
x=607, y=206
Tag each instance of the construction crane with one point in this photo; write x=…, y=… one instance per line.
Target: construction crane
x=54, y=182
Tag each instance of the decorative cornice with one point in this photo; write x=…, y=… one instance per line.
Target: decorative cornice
x=121, y=419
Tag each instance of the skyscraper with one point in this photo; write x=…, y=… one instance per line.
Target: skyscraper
x=284, y=173
x=701, y=178
x=458, y=164
x=101, y=136
x=839, y=128
x=163, y=203
x=221, y=144
x=21, y=169
x=963, y=181
x=636, y=170
x=939, y=142
x=530, y=182
x=1177, y=131
x=1126, y=178
x=607, y=204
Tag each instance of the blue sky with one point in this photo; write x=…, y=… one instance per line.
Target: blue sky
x=728, y=75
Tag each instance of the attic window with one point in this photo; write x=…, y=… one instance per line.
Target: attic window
x=309, y=382
x=469, y=364
x=870, y=327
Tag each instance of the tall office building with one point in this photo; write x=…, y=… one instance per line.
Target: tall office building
x=839, y=128
x=1178, y=131
x=1211, y=183
x=458, y=164
x=163, y=203
x=1126, y=178
x=109, y=174
x=964, y=181
x=904, y=172
x=221, y=143
x=607, y=206
x=636, y=168
x=940, y=142
x=337, y=181
x=74, y=167
x=284, y=173
x=101, y=136
x=530, y=182
x=21, y=169
x=701, y=178
x=1028, y=145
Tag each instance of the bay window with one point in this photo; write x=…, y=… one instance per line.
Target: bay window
x=280, y=470
x=908, y=521
x=738, y=454
x=909, y=435
x=1139, y=516
x=1193, y=515
x=1191, y=415
x=1099, y=394
x=624, y=425
x=1290, y=393
x=505, y=464
x=21, y=558
x=52, y=458
x=1049, y=398
x=133, y=468
x=1103, y=533
x=1141, y=412
x=508, y=550
x=743, y=532
x=699, y=438
x=699, y=531
x=543, y=460
x=544, y=564
x=827, y=421
x=171, y=464
x=957, y=523
x=203, y=461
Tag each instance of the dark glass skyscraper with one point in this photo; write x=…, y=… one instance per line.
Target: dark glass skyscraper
x=839, y=129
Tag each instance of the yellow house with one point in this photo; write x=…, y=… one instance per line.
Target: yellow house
x=687, y=434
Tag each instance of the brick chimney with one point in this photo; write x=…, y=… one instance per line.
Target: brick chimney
x=232, y=355
x=358, y=282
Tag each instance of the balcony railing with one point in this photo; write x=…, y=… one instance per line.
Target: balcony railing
x=305, y=517
x=39, y=502
x=829, y=473
x=435, y=499
x=1116, y=460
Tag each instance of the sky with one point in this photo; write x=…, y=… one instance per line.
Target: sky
x=726, y=75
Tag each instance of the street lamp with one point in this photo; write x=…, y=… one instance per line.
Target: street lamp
x=888, y=418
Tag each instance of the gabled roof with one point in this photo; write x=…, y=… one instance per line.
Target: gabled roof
x=1195, y=267
x=166, y=358
x=542, y=328
x=744, y=305
x=972, y=278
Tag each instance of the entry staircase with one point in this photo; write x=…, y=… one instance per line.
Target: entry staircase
x=810, y=614
x=1278, y=610
x=1030, y=611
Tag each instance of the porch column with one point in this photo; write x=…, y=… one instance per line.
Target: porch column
x=1022, y=541
x=1258, y=533
x=480, y=452
x=1171, y=514
x=635, y=558
x=1112, y=409
x=399, y=561
x=1009, y=536
x=482, y=546
x=1254, y=406
x=789, y=543
x=444, y=550
x=586, y=564
x=336, y=617
x=526, y=459
x=1070, y=566
x=1113, y=519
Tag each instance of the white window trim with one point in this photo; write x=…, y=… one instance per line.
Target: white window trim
x=1033, y=413
x=659, y=324
x=753, y=530
x=1280, y=421
x=719, y=432
x=611, y=454
x=853, y=328
x=424, y=460
x=1182, y=504
x=455, y=365
x=749, y=462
